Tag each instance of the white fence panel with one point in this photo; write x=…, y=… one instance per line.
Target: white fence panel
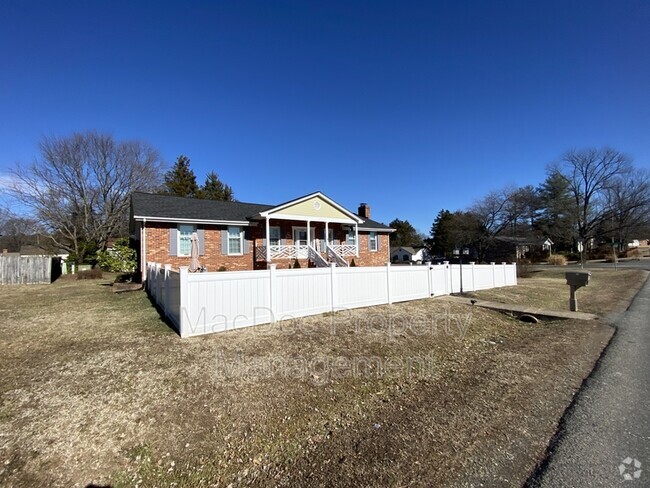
x=409, y=283
x=360, y=287
x=225, y=300
x=173, y=293
x=302, y=292
x=439, y=279
x=201, y=303
x=483, y=277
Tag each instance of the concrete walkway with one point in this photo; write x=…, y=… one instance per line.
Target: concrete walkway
x=522, y=309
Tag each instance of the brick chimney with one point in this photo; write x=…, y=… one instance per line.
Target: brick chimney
x=364, y=211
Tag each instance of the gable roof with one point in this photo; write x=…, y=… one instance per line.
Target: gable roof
x=164, y=208
x=278, y=209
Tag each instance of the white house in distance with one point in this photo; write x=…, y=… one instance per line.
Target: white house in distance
x=406, y=254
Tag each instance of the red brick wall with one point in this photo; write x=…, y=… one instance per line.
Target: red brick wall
x=157, y=243
x=372, y=258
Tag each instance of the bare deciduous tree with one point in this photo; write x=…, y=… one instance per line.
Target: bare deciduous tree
x=589, y=174
x=628, y=207
x=79, y=188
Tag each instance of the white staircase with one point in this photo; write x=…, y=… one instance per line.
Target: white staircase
x=334, y=257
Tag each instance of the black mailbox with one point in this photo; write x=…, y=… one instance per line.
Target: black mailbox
x=577, y=278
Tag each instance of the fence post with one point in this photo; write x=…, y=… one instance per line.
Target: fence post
x=505, y=274
x=168, y=268
x=184, y=302
x=272, y=291
x=494, y=274
x=514, y=274
x=471, y=263
x=388, y=283
x=428, y=266
x=333, y=285
x=447, y=277
x=158, y=283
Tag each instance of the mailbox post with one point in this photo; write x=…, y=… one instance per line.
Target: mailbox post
x=575, y=280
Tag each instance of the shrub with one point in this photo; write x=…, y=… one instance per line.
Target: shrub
x=557, y=260
x=633, y=253
x=128, y=278
x=90, y=274
x=353, y=264
x=119, y=259
x=222, y=268
x=296, y=264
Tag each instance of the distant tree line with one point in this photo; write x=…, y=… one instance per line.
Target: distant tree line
x=594, y=196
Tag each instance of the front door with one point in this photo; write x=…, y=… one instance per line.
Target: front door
x=300, y=239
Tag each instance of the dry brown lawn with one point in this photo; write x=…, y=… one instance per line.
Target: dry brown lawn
x=607, y=290
x=97, y=389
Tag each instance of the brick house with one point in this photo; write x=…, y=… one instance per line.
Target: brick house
x=236, y=236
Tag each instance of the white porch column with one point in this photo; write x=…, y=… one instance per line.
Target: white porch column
x=327, y=236
x=356, y=237
x=308, y=233
x=268, y=241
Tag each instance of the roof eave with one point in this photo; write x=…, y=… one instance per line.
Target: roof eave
x=144, y=218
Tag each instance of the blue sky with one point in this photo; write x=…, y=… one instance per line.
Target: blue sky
x=409, y=106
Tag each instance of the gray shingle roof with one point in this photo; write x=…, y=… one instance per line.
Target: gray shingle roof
x=171, y=207
x=153, y=205
x=373, y=224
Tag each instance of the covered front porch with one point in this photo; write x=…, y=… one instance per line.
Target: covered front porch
x=315, y=230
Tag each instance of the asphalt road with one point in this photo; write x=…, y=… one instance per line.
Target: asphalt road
x=608, y=426
x=631, y=264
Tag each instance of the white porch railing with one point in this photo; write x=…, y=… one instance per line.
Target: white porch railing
x=293, y=251
x=335, y=252
x=343, y=249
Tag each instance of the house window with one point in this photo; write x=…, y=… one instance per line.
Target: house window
x=405, y=257
x=350, y=237
x=235, y=240
x=185, y=232
x=372, y=241
x=274, y=237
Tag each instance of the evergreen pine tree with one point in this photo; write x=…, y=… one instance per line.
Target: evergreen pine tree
x=181, y=180
x=215, y=189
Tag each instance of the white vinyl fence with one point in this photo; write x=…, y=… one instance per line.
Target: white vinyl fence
x=202, y=303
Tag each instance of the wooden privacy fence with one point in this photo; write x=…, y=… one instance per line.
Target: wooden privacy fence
x=25, y=270
x=202, y=303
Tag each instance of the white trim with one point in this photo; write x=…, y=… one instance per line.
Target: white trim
x=330, y=220
x=143, y=250
x=268, y=243
x=354, y=218
x=271, y=227
x=369, y=229
x=370, y=249
x=178, y=240
x=244, y=223
x=241, y=241
x=302, y=227
x=356, y=237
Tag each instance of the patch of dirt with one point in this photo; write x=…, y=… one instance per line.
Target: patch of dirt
x=97, y=389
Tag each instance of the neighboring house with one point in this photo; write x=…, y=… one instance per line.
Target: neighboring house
x=313, y=229
x=408, y=254
x=507, y=248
